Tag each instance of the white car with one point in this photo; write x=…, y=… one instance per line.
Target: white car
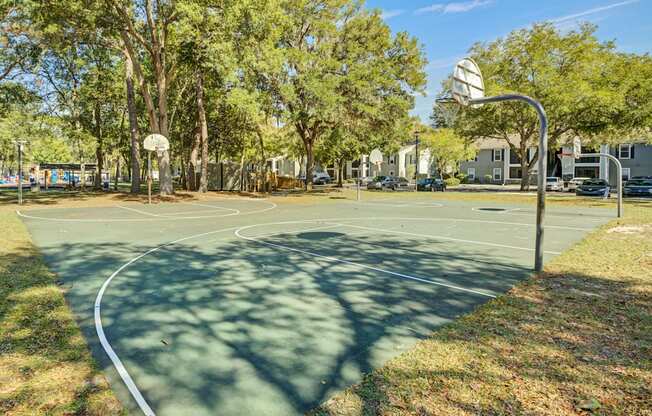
x=321, y=178
x=554, y=183
x=574, y=183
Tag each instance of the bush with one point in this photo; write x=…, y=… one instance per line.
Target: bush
x=452, y=182
x=488, y=179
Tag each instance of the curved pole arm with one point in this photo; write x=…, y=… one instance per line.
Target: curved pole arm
x=619, y=180
x=542, y=164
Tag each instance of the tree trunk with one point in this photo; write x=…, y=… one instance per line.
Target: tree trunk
x=310, y=162
x=203, y=129
x=340, y=172
x=192, y=162
x=133, y=126
x=242, y=170
x=525, y=171
x=99, y=150
x=117, y=173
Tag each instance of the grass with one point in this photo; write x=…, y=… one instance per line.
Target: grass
x=45, y=365
x=575, y=340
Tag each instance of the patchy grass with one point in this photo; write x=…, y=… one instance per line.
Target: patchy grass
x=575, y=340
x=45, y=365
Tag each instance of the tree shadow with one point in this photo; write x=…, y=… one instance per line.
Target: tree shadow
x=241, y=327
x=549, y=344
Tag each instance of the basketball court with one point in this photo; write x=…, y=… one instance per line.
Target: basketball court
x=237, y=306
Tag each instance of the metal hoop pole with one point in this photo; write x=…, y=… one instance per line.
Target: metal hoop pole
x=619, y=180
x=542, y=165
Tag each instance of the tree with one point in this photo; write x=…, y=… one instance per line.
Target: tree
x=18, y=52
x=575, y=77
x=343, y=64
x=147, y=28
x=447, y=148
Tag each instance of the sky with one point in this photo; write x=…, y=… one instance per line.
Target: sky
x=447, y=29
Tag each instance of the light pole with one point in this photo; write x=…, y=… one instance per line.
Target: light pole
x=20, y=144
x=416, y=151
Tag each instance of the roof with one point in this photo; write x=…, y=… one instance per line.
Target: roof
x=491, y=143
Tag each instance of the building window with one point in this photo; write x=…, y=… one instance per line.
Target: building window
x=624, y=151
x=391, y=160
x=391, y=173
x=498, y=155
x=498, y=174
x=470, y=174
x=587, y=171
x=626, y=174
x=515, y=172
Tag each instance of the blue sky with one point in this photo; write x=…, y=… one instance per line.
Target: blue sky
x=448, y=28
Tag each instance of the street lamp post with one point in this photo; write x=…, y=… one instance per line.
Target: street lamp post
x=20, y=144
x=416, y=151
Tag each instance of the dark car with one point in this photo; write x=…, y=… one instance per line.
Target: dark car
x=593, y=187
x=638, y=188
x=377, y=182
x=396, y=184
x=388, y=182
x=431, y=184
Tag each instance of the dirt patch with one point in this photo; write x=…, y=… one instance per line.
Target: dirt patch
x=629, y=229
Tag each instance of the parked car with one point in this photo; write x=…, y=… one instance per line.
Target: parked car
x=593, y=187
x=321, y=178
x=554, y=183
x=377, y=182
x=431, y=184
x=388, y=182
x=364, y=181
x=638, y=187
x=318, y=178
x=574, y=183
x=398, y=184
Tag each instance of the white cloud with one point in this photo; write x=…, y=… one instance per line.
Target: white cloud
x=593, y=11
x=388, y=14
x=441, y=63
x=455, y=7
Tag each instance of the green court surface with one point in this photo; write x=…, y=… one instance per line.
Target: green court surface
x=236, y=306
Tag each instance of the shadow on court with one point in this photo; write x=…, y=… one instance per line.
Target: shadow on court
x=217, y=325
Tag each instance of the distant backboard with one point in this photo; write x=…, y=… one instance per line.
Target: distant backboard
x=577, y=147
x=376, y=157
x=156, y=143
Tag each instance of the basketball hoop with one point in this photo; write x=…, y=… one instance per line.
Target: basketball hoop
x=449, y=109
x=376, y=157
x=154, y=143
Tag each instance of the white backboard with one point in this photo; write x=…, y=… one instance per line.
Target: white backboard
x=156, y=142
x=467, y=81
x=577, y=147
x=376, y=156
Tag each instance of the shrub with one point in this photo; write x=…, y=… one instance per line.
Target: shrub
x=452, y=181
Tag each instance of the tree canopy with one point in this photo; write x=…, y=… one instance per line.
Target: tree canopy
x=587, y=88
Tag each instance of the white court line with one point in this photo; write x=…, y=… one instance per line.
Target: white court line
x=122, y=371
x=440, y=237
x=401, y=205
x=156, y=218
x=215, y=207
x=138, y=211
x=117, y=363
x=360, y=265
